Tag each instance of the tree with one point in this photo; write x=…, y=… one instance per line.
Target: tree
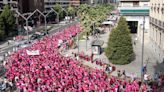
x=2, y=32
x=8, y=20
x=89, y=15
x=71, y=10
x=59, y=10
x=120, y=49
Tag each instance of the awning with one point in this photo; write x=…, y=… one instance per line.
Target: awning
x=97, y=43
x=108, y=23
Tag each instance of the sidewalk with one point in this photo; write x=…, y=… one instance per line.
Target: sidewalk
x=82, y=48
x=133, y=68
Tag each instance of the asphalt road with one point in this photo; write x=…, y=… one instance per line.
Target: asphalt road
x=53, y=30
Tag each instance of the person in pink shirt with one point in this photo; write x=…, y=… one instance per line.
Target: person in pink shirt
x=51, y=71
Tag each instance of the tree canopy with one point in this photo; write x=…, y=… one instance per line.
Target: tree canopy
x=7, y=22
x=2, y=32
x=59, y=10
x=71, y=10
x=120, y=49
x=90, y=15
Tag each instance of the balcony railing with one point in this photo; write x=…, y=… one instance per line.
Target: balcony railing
x=157, y=23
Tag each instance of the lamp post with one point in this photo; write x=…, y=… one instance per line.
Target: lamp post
x=45, y=16
x=78, y=19
x=65, y=12
x=142, y=57
x=78, y=44
x=53, y=10
x=26, y=19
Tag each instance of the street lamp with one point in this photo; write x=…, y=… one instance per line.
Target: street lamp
x=17, y=22
x=26, y=19
x=78, y=18
x=78, y=44
x=45, y=16
x=52, y=10
x=65, y=12
x=142, y=58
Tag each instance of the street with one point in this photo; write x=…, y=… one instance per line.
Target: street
x=5, y=48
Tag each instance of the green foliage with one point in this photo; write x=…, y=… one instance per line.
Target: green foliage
x=71, y=10
x=89, y=15
x=120, y=49
x=2, y=32
x=7, y=22
x=59, y=10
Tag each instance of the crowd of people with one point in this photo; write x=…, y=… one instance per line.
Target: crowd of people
x=52, y=72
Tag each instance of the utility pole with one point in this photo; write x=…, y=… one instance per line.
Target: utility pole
x=27, y=30
x=142, y=58
x=78, y=44
x=78, y=18
x=86, y=40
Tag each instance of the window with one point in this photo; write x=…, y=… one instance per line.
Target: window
x=160, y=39
x=158, y=8
x=136, y=4
x=145, y=5
x=162, y=9
x=152, y=7
x=155, y=21
x=155, y=8
x=159, y=23
x=156, y=35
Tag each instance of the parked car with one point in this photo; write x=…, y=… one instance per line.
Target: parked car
x=37, y=35
x=19, y=43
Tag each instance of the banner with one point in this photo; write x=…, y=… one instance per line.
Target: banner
x=33, y=52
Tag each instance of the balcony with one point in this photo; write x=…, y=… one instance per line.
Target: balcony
x=157, y=23
x=136, y=11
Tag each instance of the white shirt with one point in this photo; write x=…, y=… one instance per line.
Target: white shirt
x=145, y=77
x=110, y=68
x=60, y=42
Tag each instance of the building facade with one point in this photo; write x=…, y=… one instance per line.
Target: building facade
x=84, y=1
x=75, y=2
x=12, y=3
x=48, y=4
x=157, y=28
x=30, y=5
x=36, y=4
x=135, y=12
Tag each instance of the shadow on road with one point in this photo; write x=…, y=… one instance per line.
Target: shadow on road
x=159, y=68
x=2, y=71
